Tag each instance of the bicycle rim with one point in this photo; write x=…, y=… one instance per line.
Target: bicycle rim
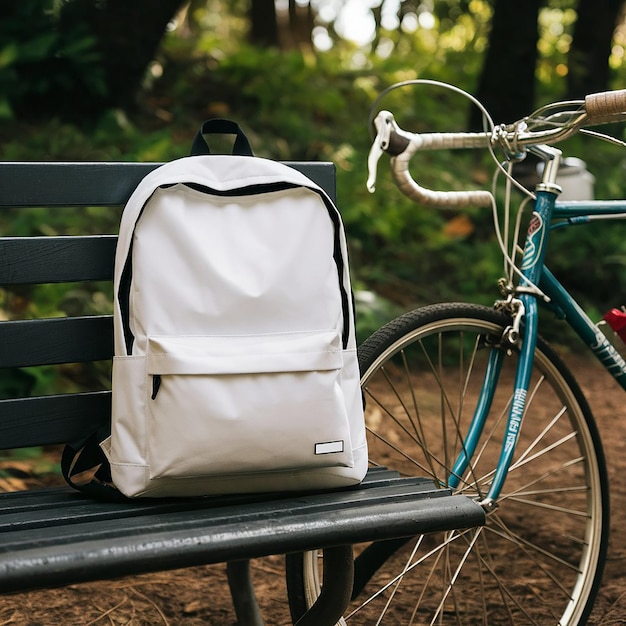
x=539, y=558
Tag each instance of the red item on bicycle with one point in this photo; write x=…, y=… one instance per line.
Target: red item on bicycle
x=616, y=319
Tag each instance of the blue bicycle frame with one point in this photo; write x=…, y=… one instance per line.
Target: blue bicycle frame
x=534, y=272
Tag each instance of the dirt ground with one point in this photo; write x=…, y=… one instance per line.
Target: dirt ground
x=200, y=595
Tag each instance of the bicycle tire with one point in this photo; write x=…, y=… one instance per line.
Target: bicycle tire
x=540, y=556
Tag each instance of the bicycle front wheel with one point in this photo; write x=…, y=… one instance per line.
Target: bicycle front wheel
x=539, y=558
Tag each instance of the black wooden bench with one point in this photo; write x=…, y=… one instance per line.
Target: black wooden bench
x=56, y=536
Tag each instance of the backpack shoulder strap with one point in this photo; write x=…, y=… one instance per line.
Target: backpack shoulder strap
x=86, y=468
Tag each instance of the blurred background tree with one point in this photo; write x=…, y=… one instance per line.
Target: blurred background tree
x=507, y=83
x=77, y=59
x=80, y=58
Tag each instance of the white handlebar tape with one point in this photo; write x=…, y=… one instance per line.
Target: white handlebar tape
x=438, y=199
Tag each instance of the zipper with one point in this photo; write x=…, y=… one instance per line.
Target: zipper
x=156, y=385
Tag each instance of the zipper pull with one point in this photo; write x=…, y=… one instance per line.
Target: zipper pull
x=156, y=384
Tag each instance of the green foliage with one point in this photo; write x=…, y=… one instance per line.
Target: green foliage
x=279, y=90
x=43, y=61
x=372, y=311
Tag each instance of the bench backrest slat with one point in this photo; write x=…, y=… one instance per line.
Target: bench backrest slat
x=58, y=340
x=51, y=420
x=69, y=184
x=34, y=260
x=99, y=184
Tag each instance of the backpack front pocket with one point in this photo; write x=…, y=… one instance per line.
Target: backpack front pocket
x=245, y=404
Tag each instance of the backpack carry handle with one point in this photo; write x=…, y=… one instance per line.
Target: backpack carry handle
x=219, y=126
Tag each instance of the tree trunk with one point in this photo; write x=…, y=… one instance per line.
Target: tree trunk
x=588, y=60
x=127, y=35
x=263, y=23
x=507, y=82
x=301, y=21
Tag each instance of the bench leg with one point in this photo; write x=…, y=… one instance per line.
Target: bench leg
x=336, y=590
x=242, y=592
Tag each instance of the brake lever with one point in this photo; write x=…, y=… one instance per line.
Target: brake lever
x=383, y=123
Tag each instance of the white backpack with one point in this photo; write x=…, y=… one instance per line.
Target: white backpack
x=235, y=365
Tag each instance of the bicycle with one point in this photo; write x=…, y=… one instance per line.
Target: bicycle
x=475, y=398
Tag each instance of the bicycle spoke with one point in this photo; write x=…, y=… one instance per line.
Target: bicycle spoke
x=446, y=402
x=515, y=538
x=418, y=422
x=453, y=537
x=486, y=564
x=397, y=584
x=430, y=457
x=455, y=575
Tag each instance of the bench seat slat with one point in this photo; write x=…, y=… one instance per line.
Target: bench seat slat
x=214, y=530
x=50, y=420
x=56, y=340
x=76, y=513
x=65, y=510
x=58, y=497
x=35, y=260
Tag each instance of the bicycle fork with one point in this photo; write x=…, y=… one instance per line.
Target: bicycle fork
x=509, y=341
